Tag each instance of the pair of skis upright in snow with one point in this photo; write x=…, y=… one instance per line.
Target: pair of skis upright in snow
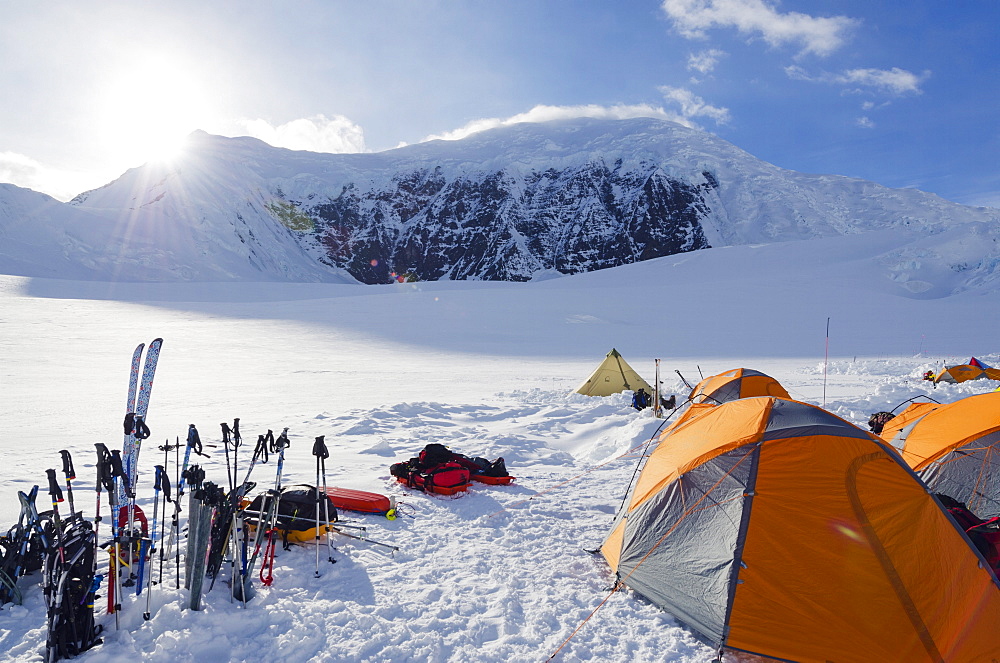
x=136, y=408
x=140, y=387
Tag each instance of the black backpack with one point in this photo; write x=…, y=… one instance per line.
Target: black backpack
x=70, y=591
x=296, y=518
x=496, y=468
x=878, y=421
x=22, y=551
x=434, y=454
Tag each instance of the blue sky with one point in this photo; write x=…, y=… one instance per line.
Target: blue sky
x=907, y=96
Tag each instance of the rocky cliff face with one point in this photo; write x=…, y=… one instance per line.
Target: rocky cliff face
x=505, y=224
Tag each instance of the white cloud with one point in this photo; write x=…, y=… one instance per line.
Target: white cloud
x=28, y=173
x=692, y=105
x=319, y=133
x=984, y=199
x=820, y=35
x=16, y=167
x=705, y=61
x=544, y=113
x=893, y=81
x=865, y=122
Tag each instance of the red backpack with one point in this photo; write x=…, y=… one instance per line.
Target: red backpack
x=435, y=467
x=984, y=534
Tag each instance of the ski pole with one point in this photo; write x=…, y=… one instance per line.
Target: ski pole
x=193, y=444
x=242, y=541
x=175, y=529
x=121, y=483
x=280, y=445
x=267, y=565
x=57, y=497
x=166, y=500
x=70, y=474
x=326, y=510
x=226, y=441
x=103, y=481
x=318, y=449
x=686, y=383
x=265, y=444
x=322, y=453
x=265, y=523
x=150, y=548
x=365, y=539
x=165, y=448
x=259, y=454
x=237, y=441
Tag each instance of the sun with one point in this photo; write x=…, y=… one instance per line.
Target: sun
x=148, y=109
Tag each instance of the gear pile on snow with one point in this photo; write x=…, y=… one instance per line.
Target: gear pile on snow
x=439, y=470
x=229, y=533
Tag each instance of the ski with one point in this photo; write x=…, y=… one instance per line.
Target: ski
x=227, y=513
x=207, y=500
x=133, y=390
x=194, y=476
x=138, y=416
x=136, y=431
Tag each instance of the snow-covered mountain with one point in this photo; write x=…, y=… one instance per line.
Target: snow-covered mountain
x=40, y=236
x=507, y=204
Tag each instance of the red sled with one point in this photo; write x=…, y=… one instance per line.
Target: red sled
x=437, y=490
x=361, y=501
x=493, y=481
x=444, y=479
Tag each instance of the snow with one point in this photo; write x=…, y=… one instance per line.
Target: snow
x=501, y=573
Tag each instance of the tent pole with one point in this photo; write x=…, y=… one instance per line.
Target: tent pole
x=657, y=412
x=826, y=359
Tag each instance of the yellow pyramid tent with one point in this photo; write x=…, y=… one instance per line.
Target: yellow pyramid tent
x=613, y=376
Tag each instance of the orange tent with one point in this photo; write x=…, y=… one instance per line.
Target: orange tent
x=736, y=383
x=964, y=372
x=954, y=448
x=776, y=528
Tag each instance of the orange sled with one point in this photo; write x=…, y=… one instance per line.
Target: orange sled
x=361, y=501
x=493, y=481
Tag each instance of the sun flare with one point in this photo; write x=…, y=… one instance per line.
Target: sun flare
x=149, y=108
